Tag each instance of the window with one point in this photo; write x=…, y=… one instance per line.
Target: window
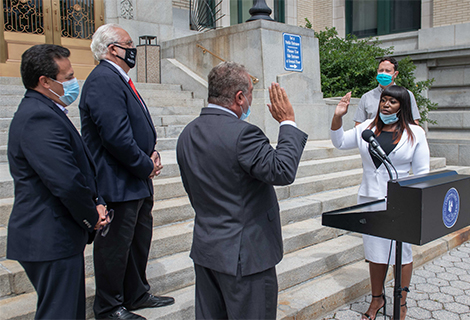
x=379, y=17
x=239, y=11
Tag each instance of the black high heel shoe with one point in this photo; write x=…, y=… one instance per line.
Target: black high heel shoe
x=384, y=307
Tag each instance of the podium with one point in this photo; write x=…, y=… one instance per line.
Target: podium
x=418, y=209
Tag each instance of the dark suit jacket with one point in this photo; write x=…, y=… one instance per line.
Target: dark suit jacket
x=55, y=189
x=119, y=133
x=228, y=169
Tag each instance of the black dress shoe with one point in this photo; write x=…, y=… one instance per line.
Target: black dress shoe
x=153, y=302
x=123, y=313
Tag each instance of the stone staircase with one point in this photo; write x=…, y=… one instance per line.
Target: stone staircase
x=450, y=137
x=322, y=269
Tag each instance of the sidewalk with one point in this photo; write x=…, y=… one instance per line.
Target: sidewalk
x=439, y=289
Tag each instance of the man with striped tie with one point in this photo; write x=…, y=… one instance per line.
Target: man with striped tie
x=118, y=129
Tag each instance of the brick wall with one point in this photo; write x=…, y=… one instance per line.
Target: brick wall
x=181, y=4
x=447, y=12
x=319, y=12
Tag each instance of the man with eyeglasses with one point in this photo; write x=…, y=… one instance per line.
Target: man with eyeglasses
x=118, y=129
x=57, y=206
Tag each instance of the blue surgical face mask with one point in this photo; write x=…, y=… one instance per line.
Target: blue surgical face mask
x=384, y=78
x=389, y=118
x=245, y=115
x=71, y=91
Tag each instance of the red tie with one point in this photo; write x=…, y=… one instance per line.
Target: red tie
x=135, y=91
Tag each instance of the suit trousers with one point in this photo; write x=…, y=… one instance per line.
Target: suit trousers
x=222, y=296
x=60, y=286
x=121, y=257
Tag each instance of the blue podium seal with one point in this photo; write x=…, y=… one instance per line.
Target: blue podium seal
x=451, y=208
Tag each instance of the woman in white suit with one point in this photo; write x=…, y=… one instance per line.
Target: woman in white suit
x=405, y=144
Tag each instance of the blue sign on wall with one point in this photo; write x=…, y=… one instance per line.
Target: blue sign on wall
x=292, y=52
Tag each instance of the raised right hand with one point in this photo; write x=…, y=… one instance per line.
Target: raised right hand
x=342, y=107
x=280, y=107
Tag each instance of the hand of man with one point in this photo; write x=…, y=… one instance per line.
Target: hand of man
x=102, y=221
x=157, y=165
x=280, y=107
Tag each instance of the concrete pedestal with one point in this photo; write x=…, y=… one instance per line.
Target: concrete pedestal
x=258, y=45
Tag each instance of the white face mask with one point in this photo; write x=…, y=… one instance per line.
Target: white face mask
x=245, y=115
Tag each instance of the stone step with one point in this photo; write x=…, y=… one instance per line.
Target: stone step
x=166, y=143
x=319, y=296
x=172, y=203
x=16, y=81
x=173, y=219
x=164, y=94
x=176, y=272
x=169, y=132
x=14, y=100
x=7, y=111
x=290, y=270
x=171, y=170
x=450, y=120
x=168, y=241
x=292, y=210
x=16, y=90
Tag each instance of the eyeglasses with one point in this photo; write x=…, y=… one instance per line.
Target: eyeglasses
x=129, y=43
x=109, y=217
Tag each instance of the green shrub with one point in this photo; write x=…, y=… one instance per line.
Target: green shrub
x=350, y=64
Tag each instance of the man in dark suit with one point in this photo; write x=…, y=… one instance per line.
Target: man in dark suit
x=228, y=168
x=56, y=206
x=119, y=131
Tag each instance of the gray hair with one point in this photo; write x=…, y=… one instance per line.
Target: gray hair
x=102, y=38
x=225, y=80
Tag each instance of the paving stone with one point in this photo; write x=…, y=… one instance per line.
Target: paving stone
x=466, y=260
x=458, y=254
x=465, y=299
x=460, y=284
x=465, y=316
x=452, y=291
x=425, y=287
x=430, y=305
x=425, y=273
x=444, y=314
x=443, y=263
x=457, y=307
x=451, y=258
x=448, y=276
x=441, y=297
x=418, y=279
x=418, y=313
x=456, y=271
x=434, y=268
x=439, y=282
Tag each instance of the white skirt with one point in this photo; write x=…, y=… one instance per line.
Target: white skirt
x=378, y=250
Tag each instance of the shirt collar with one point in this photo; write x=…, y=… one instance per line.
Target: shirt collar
x=211, y=105
x=382, y=89
x=121, y=71
x=61, y=107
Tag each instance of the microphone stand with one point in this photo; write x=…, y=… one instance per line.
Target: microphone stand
x=398, y=249
x=385, y=163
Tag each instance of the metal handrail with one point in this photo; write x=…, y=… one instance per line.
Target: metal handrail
x=204, y=50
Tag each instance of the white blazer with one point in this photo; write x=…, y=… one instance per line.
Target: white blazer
x=404, y=157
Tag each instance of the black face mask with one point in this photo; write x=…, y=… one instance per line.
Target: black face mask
x=129, y=58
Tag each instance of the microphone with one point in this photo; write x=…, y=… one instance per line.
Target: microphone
x=377, y=150
x=369, y=137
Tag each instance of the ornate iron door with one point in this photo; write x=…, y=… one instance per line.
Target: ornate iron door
x=70, y=23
